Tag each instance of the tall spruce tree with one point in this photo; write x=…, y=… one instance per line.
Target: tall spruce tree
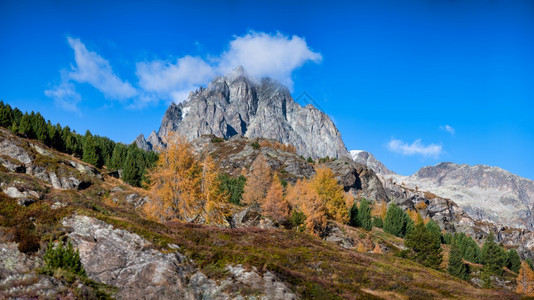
x=353, y=215
x=494, y=258
x=394, y=220
x=434, y=228
x=364, y=215
x=133, y=167
x=90, y=150
x=425, y=246
x=513, y=260
x=457, y=267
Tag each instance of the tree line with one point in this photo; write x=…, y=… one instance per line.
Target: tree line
x=93, y=149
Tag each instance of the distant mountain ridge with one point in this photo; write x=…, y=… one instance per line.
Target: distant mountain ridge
x=239, y=105
x=486, y=193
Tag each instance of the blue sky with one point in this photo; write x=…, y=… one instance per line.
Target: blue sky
x=415, y=84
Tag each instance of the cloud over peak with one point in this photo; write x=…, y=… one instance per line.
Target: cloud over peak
x=261, y=54
x=415, y=148
x=265, y=55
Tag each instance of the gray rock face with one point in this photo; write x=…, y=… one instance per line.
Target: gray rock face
x=486, y=193
x=368, y=159
x=153, y=142
x=11, y=149
x=236, y=104
x=130, y=263
x=358, y=179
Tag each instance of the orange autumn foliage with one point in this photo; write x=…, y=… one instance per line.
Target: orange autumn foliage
x=525, y=280
x=275, y=205
x=302, y=197
x=184, y=188
x=258, y=181
x=331, y=193
x=379, y=209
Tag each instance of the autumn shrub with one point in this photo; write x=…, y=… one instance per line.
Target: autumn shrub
x=25, y=236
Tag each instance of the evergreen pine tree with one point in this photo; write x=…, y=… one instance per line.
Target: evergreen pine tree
x=457, y=267
x=434, y=228
x=493, y=257
x=133, y=167
x=6, y=115
x=364, y=215
x=25, y=127
x=41, y=129
x=513, y=261
x=90, y=150
x=394, y=220
x=425, y=246
x=353, y=215
x=118, y=156
x=377, y=222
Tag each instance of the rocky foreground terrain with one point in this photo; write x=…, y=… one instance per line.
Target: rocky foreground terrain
x=52, y=196
x=239, y=105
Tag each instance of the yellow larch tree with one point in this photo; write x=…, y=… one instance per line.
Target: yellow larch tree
x=303, y=197
x=331, y=193
x=275, y=205
x=183, y=188
x=379, y=209
x=525, y=280
x=258, y=181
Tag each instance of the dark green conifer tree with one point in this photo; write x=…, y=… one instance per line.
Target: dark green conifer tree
x=457, y=267
x=353, y=215
x=494, y=258
x=90, y=150
x=434, y=228
x=133, y=167
x=25, y=127
x=364, y=215
x=425, y=246
x=513, y=261
x=377, y=222
x=394, y=220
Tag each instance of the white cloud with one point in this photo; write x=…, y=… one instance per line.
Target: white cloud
x=261, y=54
x=415, y=148
x=266, y=55
x=448, y=129
x=174, y=80
x=65, y=96
x=92, y=69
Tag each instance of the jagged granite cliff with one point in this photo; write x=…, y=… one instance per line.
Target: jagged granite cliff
x=239, y=105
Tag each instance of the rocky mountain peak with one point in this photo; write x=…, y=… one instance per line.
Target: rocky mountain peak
x=239, y=105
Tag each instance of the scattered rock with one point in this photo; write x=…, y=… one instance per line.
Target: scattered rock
x=335, y=235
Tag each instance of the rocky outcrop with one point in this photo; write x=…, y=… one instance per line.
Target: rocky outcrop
x=368, y=159
x=251, y=217
x=358, y=179
x=238, y=105
x=129, y=262
x=19, y=156
x=236, y=156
